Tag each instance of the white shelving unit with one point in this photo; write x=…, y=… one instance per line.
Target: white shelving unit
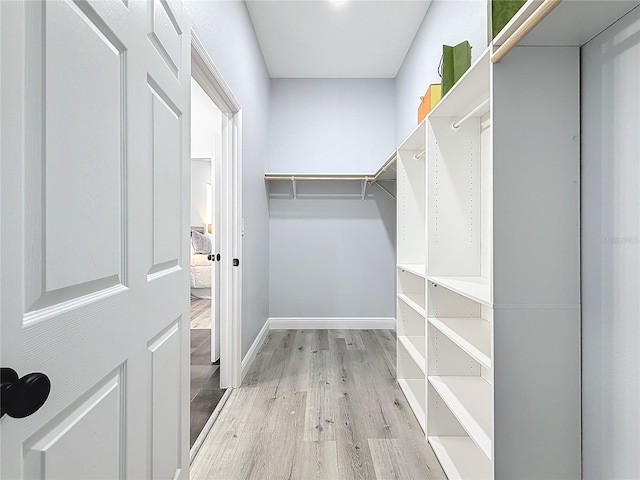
x=411, y=271
x=488, y=258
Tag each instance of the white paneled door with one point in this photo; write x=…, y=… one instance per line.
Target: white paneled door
x=95, y=217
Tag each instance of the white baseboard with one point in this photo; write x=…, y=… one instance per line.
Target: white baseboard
x=248, y=359
x=323, y=323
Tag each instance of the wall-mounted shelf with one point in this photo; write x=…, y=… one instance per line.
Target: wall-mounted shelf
x=412, y=300
x=413, y=390
x=475, y=288
x=560, y=27
x=473, y=335
x=460, y=457
x=415, y=348
x=416, y=269
x=386, y=173
x=470, y=399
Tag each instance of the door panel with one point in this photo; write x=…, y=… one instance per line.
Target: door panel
x=166, y=33
x=94, y=239
x=167, y=208
x=47, y=452
x=56, y=269
x=166, y=400
x=94, y=189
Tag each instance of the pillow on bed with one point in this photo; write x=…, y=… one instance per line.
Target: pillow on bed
x=201, y=243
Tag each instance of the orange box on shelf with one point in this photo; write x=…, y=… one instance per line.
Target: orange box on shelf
x=430, y=100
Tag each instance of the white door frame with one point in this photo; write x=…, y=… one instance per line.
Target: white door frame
x=210, y=79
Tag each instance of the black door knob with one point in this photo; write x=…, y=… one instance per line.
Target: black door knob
x=21, y=397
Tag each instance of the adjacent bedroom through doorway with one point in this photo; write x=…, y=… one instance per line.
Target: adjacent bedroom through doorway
x=206, y=128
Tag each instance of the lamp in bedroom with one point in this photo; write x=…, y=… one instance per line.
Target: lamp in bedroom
x=207, y=211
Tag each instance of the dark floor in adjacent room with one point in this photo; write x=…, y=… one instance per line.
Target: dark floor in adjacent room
x=205, y=376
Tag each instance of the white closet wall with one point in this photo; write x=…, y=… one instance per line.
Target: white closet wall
x=611, y=251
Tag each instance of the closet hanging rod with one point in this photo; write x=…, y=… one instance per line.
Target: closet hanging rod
x=300, y=178
x=458, y=124
x=384, y=168
x=534, y=19
x=418, y=155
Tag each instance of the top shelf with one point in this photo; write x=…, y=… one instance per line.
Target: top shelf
x=415, y=142
x=387, y=171
x=469, y=92
x=571, y=23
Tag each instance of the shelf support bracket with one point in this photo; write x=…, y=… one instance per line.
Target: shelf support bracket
x=293, y=187
x=364, y=187
x=385, y=190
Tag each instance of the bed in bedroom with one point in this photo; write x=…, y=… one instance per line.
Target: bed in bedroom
x=201, y=265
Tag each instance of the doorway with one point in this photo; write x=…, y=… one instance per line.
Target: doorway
x=218, y=158
x=206, y=155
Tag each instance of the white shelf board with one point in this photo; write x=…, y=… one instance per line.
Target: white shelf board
x=571, y=23
x=415, y=347
x=412, y=300
x=407, y=386
x=460, y=458
x=416, y=269
x=469, y=92
x=470, y=400
x=415, y=142
x=473, y=335
x=286, y=176
x=475, y=288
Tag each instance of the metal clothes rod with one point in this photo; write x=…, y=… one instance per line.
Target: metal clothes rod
x=418, y=155
x=289, y=178
x=534, y=19
x=326, y=195
x=384, y=168
x=458, y=124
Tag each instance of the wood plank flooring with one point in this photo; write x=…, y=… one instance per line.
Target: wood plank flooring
x=319, y=404
x=200, y=313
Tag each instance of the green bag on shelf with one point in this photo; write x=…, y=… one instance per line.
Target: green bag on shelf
x=502, y=11
x=455, y=61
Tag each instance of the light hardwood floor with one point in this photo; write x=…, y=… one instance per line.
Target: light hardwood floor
x=319, y=404
x=200, y=313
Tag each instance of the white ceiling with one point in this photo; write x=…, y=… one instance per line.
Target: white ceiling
x=324, y=39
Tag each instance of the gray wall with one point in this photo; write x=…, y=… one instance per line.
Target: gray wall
x=447, y=22
x=331, y=125
x=611, y=252
x=331, y=257
x=225, y=29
